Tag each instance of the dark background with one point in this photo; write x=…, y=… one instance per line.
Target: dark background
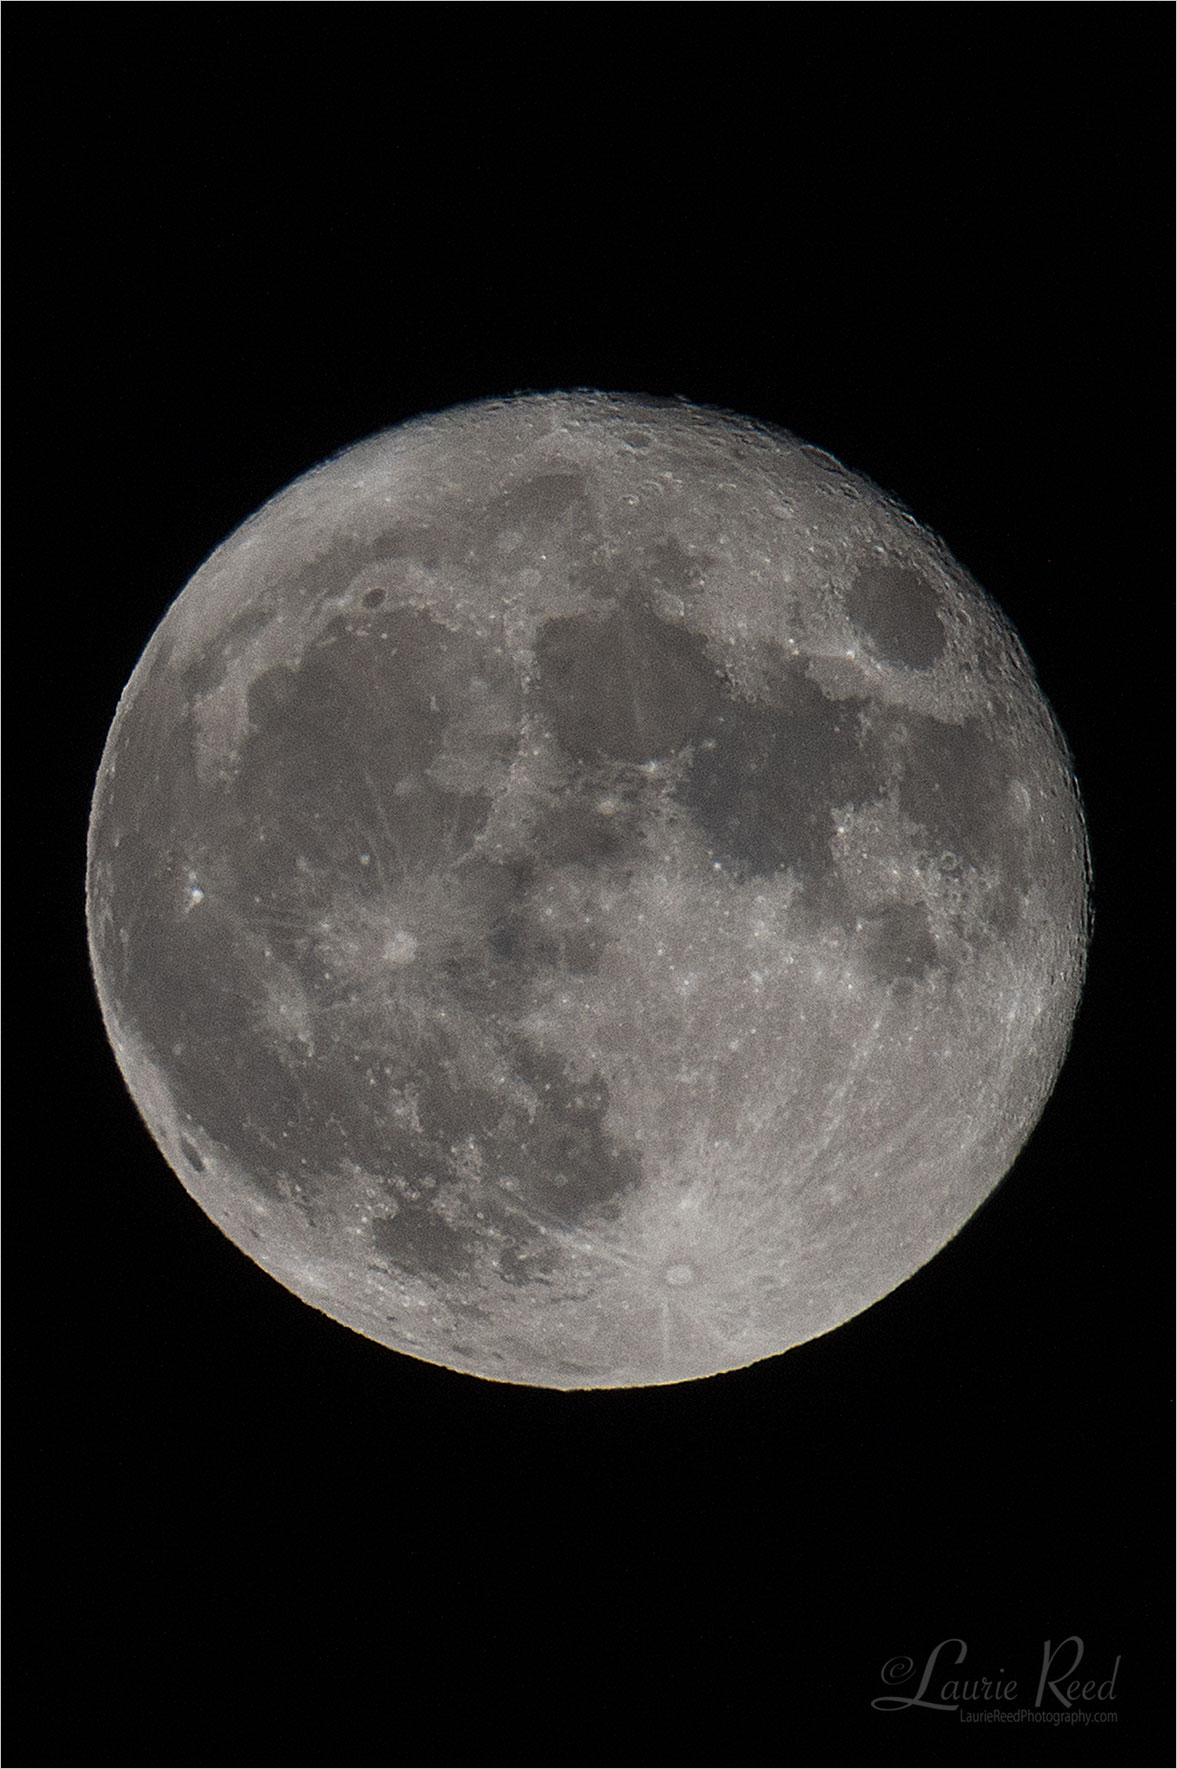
x=934, y=241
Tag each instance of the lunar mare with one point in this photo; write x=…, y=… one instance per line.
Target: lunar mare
x=586, y=891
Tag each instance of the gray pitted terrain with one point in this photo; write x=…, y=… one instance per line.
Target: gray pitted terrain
x=586, y=891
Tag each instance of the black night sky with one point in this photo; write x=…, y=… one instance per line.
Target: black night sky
x=933, y=241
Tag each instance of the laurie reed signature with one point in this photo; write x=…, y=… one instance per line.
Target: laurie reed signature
x=1059, y=1687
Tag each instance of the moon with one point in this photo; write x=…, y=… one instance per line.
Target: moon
x=585, y=891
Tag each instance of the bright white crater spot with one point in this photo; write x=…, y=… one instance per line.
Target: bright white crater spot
x=400, y=948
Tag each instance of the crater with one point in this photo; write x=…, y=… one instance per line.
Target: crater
x=400, y=947
x=679, y=1275
x=328, y=575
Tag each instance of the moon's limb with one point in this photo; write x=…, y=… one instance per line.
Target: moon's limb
x=586, y=891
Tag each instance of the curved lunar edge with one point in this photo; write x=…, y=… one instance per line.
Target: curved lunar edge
x=585, y=891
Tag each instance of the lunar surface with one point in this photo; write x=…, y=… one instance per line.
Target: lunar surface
x=585, y=891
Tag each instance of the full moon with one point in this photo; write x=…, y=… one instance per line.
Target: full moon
x=585, y=891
